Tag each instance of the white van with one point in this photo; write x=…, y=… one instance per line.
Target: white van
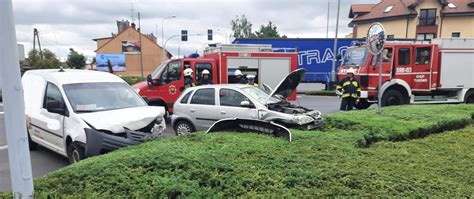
x=79, y=113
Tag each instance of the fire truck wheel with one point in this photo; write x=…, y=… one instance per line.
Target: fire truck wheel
x=469, y=98
x=362, y=104
x=392, y=98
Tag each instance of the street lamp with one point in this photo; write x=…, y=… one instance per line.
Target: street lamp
x=162, y=35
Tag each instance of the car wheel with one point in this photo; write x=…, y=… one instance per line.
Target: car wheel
x=469, y=98
x=33, y=145
x=183, y=128
x=392, y=98
x=75, y=153
x=362, y=104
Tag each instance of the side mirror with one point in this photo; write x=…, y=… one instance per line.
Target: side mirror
x=246, y=104
x=55, y=106
x=149, y=80
x=146, y=99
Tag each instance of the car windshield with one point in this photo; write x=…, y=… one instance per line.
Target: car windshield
x=157, y=71
x=355, y=56
x=260, y=95
x=93, y=97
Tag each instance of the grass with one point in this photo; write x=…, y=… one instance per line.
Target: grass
x=131, y=80
x=316, y=163
x=321, y=92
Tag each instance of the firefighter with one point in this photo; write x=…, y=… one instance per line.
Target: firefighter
x=251, y=80
x=349, y=90
x=240, y=77
x=205, y=78
x=188, y=78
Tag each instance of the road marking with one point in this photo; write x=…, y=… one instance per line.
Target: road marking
x=3, y=147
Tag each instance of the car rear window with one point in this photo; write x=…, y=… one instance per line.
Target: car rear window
x=184, y=100
x=204, y=96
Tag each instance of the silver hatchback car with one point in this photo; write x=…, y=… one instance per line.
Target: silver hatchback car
x=198, y=108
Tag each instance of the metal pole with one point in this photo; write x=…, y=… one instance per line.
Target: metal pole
x=327, y=22
x=333, y=69
x=141, y=44
x=379, y=100
x=14, y=106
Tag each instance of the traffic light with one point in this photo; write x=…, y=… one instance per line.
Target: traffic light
x=209, y=34
x=184, y=35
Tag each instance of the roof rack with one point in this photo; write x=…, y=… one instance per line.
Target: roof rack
x=245, y=48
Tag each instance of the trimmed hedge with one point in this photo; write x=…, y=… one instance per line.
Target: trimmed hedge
x=402, y=122
x=322, y=93
x=316, y=164
x=131, y=80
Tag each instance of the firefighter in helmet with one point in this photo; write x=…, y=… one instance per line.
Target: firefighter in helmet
x=349, y=90
x=251, y=80
x=240, y=79
x=188, y=78
x=205, y=79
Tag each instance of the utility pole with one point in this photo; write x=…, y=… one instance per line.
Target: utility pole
x=333, y=69
x=36, y=37
x=141, y=44
x=14, y=106
x=327, y=22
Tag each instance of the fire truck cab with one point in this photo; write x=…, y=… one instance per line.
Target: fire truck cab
x=166, y=83
x=414, y=73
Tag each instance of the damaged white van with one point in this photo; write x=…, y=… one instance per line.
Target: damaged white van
x=79, y=113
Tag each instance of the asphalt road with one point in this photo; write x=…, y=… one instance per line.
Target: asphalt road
x=44, y=161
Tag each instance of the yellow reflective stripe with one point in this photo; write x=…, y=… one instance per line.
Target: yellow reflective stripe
x=345, y=84
x=338, y=87
x=358, y=90
x=355, y=84
x=346, y=95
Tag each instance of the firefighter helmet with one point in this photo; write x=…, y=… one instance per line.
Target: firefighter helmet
x=350, y=70
x=238, y=72
x=205, y=72
x=188, y=72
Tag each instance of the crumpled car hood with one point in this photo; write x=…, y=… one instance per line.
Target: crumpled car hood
x=115, y=120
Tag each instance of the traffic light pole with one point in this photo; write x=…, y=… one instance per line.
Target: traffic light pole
x=14, y=106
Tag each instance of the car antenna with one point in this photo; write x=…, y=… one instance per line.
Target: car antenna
x=61, y=69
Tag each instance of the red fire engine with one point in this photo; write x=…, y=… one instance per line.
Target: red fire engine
x=440, y=72
x=165, y=84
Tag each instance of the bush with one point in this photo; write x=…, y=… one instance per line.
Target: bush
x=322, y=93
x=131, y=80
x=402, y=122
x=317, y=163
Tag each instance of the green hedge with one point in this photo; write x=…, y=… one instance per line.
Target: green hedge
x=316, y=164
x=322, y=93
x=131, y=80
x=402, y=122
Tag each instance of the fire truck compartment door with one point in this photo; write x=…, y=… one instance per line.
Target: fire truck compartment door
x=235, y=63
x=272, y=71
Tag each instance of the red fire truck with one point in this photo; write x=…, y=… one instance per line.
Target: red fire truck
x=414, y=73
x=165, y=84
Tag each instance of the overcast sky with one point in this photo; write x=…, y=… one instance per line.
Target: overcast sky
x=74, y=23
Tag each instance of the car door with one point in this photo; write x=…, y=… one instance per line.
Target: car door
x=230, y=105
x=422, y=68
x=203, y=109
x=49, y=124
x=170, y=82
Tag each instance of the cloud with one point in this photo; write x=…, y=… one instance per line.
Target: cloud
x=73, y=24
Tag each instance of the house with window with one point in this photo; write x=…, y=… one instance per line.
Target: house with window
x=129, y=52
x=415, y=19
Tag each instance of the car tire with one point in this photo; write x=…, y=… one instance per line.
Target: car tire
x=75, y=153
x=183, y=127
x=363, y=104
x=393, y=98
x=469, y=98
x=33, y=145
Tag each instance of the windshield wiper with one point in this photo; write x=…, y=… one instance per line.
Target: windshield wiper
x=85, y=111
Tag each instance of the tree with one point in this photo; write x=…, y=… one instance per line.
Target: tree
x=241, y=27
x=49, y=59
x=268, y=31
x=75, y=60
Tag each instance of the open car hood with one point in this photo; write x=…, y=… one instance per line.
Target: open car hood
x=288, y=84
x=130, y=118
